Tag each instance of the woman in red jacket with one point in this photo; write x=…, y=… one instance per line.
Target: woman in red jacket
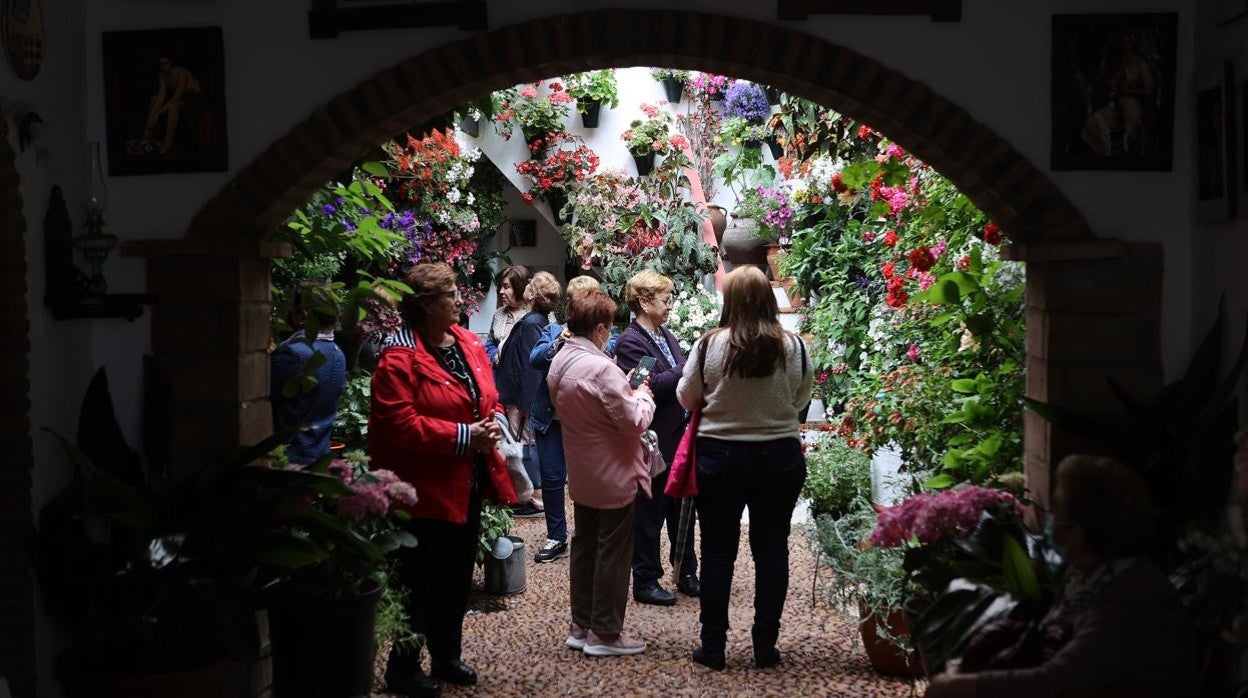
x=432, y=424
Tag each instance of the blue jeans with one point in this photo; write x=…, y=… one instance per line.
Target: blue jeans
x=767, y=477
x=532, y=466
x=554, y=470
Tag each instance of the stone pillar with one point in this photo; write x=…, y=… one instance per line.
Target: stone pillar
x=17, y=604
x=210, y=332
x=1093, y=314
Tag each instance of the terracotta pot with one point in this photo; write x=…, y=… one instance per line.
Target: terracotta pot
x=885, y=657
x=790, y=289
x=719, y=221
x=773, y=259
x=741, y=246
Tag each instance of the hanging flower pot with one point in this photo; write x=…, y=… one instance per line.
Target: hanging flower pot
x=757, y=145
x=777, y=150
x=557, y=200
x=470, y=126
x=590, y=109
x=674, y=88
x=645, y=163
x=773, y=96
x=537, y=143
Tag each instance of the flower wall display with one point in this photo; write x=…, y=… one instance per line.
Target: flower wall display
x=537, y=112
x=562, y=168
x=596, y=86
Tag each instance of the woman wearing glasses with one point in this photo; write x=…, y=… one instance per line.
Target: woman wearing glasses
x=432, y=424
x=649, y=296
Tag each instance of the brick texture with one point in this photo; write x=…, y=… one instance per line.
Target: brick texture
x=17, y=620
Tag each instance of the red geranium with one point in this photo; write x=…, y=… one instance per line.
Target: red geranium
x=890, y=238
x=888, y=269
x=992, y=234
x=921, y=258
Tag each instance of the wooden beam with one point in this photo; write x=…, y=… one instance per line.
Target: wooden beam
x=328, y=18
x=938, y=10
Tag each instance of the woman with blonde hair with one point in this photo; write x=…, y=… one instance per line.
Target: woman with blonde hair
x=649, y=296
x=518, y=381
x=548, y=432
x=751, y=378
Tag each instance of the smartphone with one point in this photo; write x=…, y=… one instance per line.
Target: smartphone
x=642, y=372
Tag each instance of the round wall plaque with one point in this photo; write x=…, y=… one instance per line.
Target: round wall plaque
x=24, y=37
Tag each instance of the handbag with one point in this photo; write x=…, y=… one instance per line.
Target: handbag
x=654, y=457
x=512, y=452
x=683, y=480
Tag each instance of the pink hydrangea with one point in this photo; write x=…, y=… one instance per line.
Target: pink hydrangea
x=368, y=499
x=928, y=518
x=385, y=477
x=402, y=492
x=344, y=470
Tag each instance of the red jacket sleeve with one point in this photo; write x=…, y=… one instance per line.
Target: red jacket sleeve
x=397, y=418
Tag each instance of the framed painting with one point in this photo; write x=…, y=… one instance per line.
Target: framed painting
x=1217, y=186
x=164, y=94
x=523, y=233
x=1113, y=91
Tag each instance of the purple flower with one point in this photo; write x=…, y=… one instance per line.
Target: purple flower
x=328, y=209
x=748, y=101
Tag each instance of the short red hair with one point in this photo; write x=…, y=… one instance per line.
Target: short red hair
x=589, y=310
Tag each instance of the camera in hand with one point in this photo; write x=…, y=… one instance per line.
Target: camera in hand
x=642, y=372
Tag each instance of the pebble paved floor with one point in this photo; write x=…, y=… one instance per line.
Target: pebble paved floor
x=519, y=651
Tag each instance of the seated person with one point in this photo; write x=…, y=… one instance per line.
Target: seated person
x=314, y=406
x=1128, y=632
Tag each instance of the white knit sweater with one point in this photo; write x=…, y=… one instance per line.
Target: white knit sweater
x=746, y=409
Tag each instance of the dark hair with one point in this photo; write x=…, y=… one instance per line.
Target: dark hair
x=519, y=277
x=425, y=280
x=755, y=337
x=1108, y=501
x=588, y=310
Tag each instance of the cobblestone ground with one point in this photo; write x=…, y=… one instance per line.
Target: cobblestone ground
x=519, y=651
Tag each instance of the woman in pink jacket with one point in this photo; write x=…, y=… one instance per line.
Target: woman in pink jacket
x=603, y=419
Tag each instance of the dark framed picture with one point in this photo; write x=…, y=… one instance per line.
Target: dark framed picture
x=1113, y=91
x=1217, y=186
x=164, y=94
x=523, y=233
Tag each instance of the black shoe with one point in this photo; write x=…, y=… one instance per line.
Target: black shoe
x=766, y=658
x=689, y=586
x=709, y=659
x=653, y=594
x=527, y=511
x=416, y=685
x=455, y=672
x=551, y=551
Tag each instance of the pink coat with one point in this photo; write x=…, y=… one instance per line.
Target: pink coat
x=603, y=420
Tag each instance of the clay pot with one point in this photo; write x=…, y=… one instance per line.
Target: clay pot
x=719, y=221
x=741, y=245
x=885, y=657
x=773, y=260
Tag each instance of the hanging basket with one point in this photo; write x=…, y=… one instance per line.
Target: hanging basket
x=590, y=110
x=645, y=163
x=777, y=150
x=557, y=200
x=674, y=89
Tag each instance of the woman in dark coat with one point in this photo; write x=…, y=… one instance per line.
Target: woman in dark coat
x=649, y=296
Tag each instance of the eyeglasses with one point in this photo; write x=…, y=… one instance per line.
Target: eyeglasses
x=453, y=295
x=666, y=301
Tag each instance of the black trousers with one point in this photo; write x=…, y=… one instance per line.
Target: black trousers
x=652, y=513
x=767, y=477
x=438, y=576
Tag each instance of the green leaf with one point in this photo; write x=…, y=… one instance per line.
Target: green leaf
x=376, y=169
x=965, y=385
x=1020, y=578
x=940, y=482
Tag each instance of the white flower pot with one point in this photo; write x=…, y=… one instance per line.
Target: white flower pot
x=888, y=483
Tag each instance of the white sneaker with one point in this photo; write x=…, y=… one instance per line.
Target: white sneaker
x=618, y=647
x=576, y=637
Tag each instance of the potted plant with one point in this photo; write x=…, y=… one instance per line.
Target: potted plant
x=322, y=614
x=154, y=571
x=673, y=81
x=651, y=136
x=837, y=476
x=707, y=85
x=541, y=114
x=747, y=101
x=872, y=581
x=551, y=177
x=592, y=90
x=769, y=208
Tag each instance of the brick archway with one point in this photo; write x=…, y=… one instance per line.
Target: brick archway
x=215, y=331
x=17, y=613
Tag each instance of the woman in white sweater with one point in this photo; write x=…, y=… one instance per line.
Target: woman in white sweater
x=751, y=378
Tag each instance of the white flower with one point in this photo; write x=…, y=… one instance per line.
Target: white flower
x=472, y=198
